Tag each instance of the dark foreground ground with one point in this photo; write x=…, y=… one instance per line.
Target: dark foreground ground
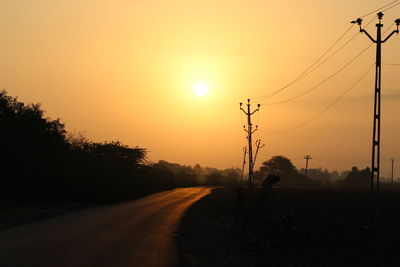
x=327, y=228
x=13, y=214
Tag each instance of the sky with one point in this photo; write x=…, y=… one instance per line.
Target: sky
x=125, y=70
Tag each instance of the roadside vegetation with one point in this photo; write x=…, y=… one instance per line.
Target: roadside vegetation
x=41, y=164
x=41, y=161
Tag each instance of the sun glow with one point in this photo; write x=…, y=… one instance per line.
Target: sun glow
x=200, y=89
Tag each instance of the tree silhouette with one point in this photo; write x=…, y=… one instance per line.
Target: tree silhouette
x=31, y=146
x=278, y=165
x=39, y=161
x=357, y=178
x=283, y=167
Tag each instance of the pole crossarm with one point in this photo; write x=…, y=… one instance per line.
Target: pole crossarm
x=253, y=131
x=390, y=35
x=384, y=40
x=243, y=109
x=255, y=110
x=368, y=35
x=380, y=16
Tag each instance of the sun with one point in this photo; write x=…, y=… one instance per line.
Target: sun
x=200, y=89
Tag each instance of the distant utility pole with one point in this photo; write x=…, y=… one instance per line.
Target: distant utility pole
x=258, y=145
x=392, y=160
x=250, y=132
x=244, y=163
x=376, y=132
x=307, y=158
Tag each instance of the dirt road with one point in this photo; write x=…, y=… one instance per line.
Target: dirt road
x=136, y=233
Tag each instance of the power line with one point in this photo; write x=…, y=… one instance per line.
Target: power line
x=304, y=73
x=339, y=49
x=379, y=9
x=326, y=108
x=310, y=69
x=321, y=83
x=330, y=77
x=369, y=22
x=390, y=7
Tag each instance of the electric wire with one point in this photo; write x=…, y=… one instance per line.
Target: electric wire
x=309, y=69
x=312, y=67
x=327, y=79
x=390, y=7
x=302, y=75
x=369, y=22
x=323, y=81
x=340, y=48
x=379, y=9
x=327, y=107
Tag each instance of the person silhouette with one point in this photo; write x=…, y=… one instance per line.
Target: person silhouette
x=267, y=184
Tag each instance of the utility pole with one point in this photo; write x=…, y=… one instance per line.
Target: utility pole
x=376, y=132
x=392, y=160
x=244, y=163
x=250, y=132
x=258, y=145
x=307, y=158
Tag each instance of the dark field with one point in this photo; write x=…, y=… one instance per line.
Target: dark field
x=328, y=229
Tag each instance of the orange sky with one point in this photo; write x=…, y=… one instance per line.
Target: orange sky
x=125, y=70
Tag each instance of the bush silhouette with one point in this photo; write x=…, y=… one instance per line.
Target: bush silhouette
x=40, y=162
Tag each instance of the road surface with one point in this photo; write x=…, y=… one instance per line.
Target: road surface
x=135, y=233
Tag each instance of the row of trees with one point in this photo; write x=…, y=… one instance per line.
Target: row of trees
x=291, y=176
x=197, y=175
x=40, y=161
